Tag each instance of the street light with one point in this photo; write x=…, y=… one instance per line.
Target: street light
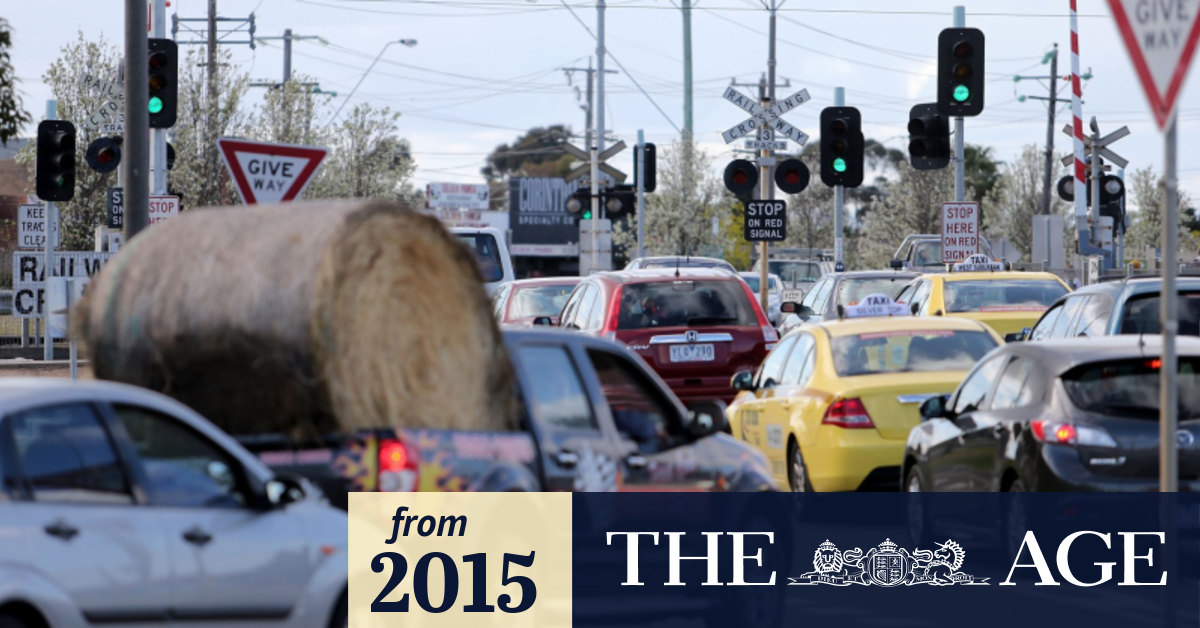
x=407, y=42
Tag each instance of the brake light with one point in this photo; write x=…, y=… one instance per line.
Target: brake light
x=1056, y=433
x=614, y=315
x=398, y=466
x=848, y=413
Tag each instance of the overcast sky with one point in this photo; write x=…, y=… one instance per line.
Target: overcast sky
x=484, y=71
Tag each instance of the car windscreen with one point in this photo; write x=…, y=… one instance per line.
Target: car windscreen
x=909, y=350
x=533, y=301
x=793, y=272
x=487, y=254
x=927, y=253
x=1140, y=314
x=685, y=303
x=1002, y=295
x=1129, y=388
x=851, y=290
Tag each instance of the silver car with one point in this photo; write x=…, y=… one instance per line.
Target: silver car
x=121, y=506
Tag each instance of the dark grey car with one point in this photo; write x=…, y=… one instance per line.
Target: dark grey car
x=1123, y=306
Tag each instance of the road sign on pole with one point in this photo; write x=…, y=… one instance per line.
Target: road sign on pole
x=269, y=173
x=765, y=221
x=768, y=117
x=960, y=231
x=1161, y=43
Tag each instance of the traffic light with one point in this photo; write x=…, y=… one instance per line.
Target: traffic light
x=841, y=147
x=928, y=138
x=651, y=167
x=104, y=154
x=55, y=160
x=1112, y=200
x=740, y=178
x=960, y=72
x=791, y=175
x=163, y=63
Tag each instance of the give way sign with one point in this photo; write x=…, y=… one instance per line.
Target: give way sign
x=1161, y=37
x=269, y=173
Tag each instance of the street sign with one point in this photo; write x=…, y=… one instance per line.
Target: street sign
x=29, y=273
x=162, y=208
x=765, y=221
x=766, y=145
x=960, y=231
x=585, y=168
x=768, y=117
x=269, y=173
x=31, y=228
x=116, y=208
x=1160, y=38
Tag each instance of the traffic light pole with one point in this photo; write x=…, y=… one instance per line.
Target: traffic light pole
x=1168, y=469
x=136, y=157
x=48, y=340
x=960, y=21
x=158, y=137
x=1096, y=174
x=641, y=194
x=839, y=193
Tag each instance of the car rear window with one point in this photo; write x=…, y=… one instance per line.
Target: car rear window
x=681, y=303
x=852, y=290
x=487, y=254
x=909, y=350
x=1002, y=295
x=795, y=272
x=927, y=254
x=687, y=263
x=1140, y=314
x=539, y=301
x=1129, y=388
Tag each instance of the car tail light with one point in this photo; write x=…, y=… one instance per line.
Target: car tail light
x=398, y=468
x=1058, y=433
x=848, y=413
x=758, y=313
x=614, y=315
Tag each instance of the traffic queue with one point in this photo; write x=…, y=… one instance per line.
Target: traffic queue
x=974, y=378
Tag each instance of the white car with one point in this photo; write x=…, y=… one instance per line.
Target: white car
x=491, y=254
x=774, y=293
x=121, y=506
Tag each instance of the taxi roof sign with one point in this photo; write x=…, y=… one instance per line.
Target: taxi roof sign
x=877, y=305
x=976, y=263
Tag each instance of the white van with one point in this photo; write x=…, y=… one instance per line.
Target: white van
x=491, y=253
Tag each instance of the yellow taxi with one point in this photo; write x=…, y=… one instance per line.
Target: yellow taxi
x=981, y=290
x=832, y=404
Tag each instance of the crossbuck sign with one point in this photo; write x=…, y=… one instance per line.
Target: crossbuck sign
x=768, y=117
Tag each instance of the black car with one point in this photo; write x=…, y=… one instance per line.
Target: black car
x=1128, y=305
x=1057, y=415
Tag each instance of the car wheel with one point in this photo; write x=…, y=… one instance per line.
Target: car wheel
x=919, y=526
x=797, y=471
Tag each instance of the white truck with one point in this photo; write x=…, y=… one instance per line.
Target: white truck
x=491, y=253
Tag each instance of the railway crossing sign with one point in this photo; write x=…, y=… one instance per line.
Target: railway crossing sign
x=768, y=117
x=586, y=167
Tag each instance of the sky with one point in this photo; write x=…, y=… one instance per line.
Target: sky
x=485, y=71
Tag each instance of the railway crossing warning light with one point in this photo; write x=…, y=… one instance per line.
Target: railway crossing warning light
x=841, y=147
x=163, y=64
x=792, y=176
x=960, y=72
x=55, y=177
x=104, y=154
x=740, y=178
x=928, y=138
x=579, y=204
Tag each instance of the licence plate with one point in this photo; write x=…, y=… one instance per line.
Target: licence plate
x=693, y=353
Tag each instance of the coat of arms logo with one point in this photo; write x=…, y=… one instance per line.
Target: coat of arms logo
x=888, y=565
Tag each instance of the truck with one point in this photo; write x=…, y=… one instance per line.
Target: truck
x=923, y=252
x=594, y=417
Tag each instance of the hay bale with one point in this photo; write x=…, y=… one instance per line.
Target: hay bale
x=302, y=318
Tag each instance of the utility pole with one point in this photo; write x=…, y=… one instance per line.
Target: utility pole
x=767, y=161
x=687, y=70
x=136, y=158
x=287, y=38
x=597, y=146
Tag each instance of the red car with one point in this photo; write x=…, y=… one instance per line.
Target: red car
x=523, y=301
x=695, y=326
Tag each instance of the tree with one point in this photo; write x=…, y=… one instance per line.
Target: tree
x=289, y=115
x=981, y=172
x=679, y=214
x=199, y=177
x=1149, y=194
x=76, y=101
x=810, y=213
x=12, y=113
x=911, y=204
x=537, y=153
x=367, y=158
x=1017, y=198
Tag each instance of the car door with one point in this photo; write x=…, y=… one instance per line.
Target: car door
x=752, y=427
x=233, y=559
x=987, y=430
x=950, y=465
x=777, y=413
x=1041, y=330
x=654, y=450
x=577, y=455
x=81, y=519
x=1014, y=404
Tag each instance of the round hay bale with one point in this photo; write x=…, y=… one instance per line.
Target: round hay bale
x=304, y=318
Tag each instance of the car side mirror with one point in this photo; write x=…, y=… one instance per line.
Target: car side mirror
x=742, y=380
x=914, y=308
x=705, y=418
x=935, y=408
x=896, y=264
x=1017, y=336
x=789, y=307
x=542, y=320
x=283, y=490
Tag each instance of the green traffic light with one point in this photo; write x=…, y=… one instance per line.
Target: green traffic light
x=155, y=104
x=587, y=215
x=839, y=165
x=961, y=93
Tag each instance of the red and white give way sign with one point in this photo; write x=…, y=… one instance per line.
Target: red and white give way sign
x=1161, y=38
x=269, y=173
